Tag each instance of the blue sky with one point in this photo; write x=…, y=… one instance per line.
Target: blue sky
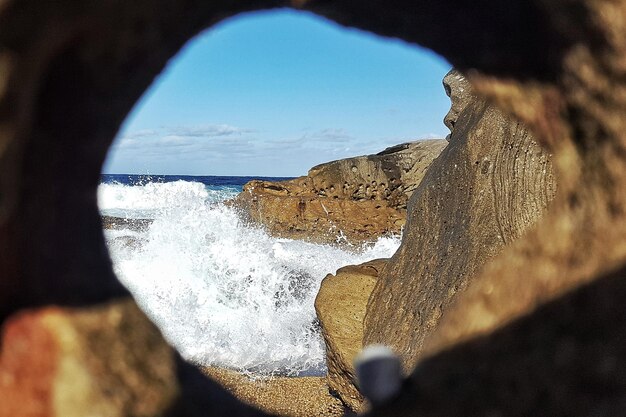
x=276, y=93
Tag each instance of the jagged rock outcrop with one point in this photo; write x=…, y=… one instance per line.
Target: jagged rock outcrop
x=352, y=200
x=340, y=306
x=489, y=185
x=391, y=175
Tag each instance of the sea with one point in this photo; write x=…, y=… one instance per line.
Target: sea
x=223, y=292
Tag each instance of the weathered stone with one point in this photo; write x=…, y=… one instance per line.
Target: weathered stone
x=352, y=200
x=540, y=331
x=391, y=175
x=489, y=185
x=320, y=219
x=544, y=363
x=281, y=396
x=340, y=306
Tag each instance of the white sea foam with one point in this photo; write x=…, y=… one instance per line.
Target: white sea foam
x=224, y=293
x=153, y=198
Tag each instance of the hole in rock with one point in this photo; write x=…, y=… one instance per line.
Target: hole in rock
x=260, y=95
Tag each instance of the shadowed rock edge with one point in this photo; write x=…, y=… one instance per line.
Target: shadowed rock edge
x=70, y=72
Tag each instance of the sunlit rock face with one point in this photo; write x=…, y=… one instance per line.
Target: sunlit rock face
x=489, y=185
x=340, y=306
x=352, y=200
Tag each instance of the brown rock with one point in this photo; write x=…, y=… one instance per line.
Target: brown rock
x=489, y=185
x=355, y=199
x=391, y=175
x=63, y=362
x=321, y=220
x=545, y=363
x=340, y=306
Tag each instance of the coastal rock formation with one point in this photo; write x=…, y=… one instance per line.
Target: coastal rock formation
x=351, y=200
x=489, y=185
x=538, y=332
x=340, y=306
x=391, y=175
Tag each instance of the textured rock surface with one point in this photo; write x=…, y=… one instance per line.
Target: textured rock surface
x=318, y=219
x=93, y=362
x=117, y=223
x=391, y=175
x=545, y=312
x=340, y=306
x=281, y=396
x=70, y=72
x=489, y=185
x=105, y=360
x=354, y=199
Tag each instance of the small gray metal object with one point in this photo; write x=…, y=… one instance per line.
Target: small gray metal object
x=379, y=374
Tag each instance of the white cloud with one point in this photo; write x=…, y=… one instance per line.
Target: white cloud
x=198, y=131
x=207, y=131
x=224, y=148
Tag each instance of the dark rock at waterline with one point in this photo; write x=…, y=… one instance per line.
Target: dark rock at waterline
x=129, y=242
x=491, y=184
x=352, y=200
x=119, y=223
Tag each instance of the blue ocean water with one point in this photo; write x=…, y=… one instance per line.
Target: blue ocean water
x=212, y=181
x=223, y=292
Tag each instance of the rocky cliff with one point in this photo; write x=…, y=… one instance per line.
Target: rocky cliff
x=352, y=200
x=489, y=185
x=486, y=188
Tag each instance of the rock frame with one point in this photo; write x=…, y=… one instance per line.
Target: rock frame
x=70, y=71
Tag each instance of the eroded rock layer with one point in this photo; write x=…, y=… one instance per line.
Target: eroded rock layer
x=489, y=185
x=352, y=200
